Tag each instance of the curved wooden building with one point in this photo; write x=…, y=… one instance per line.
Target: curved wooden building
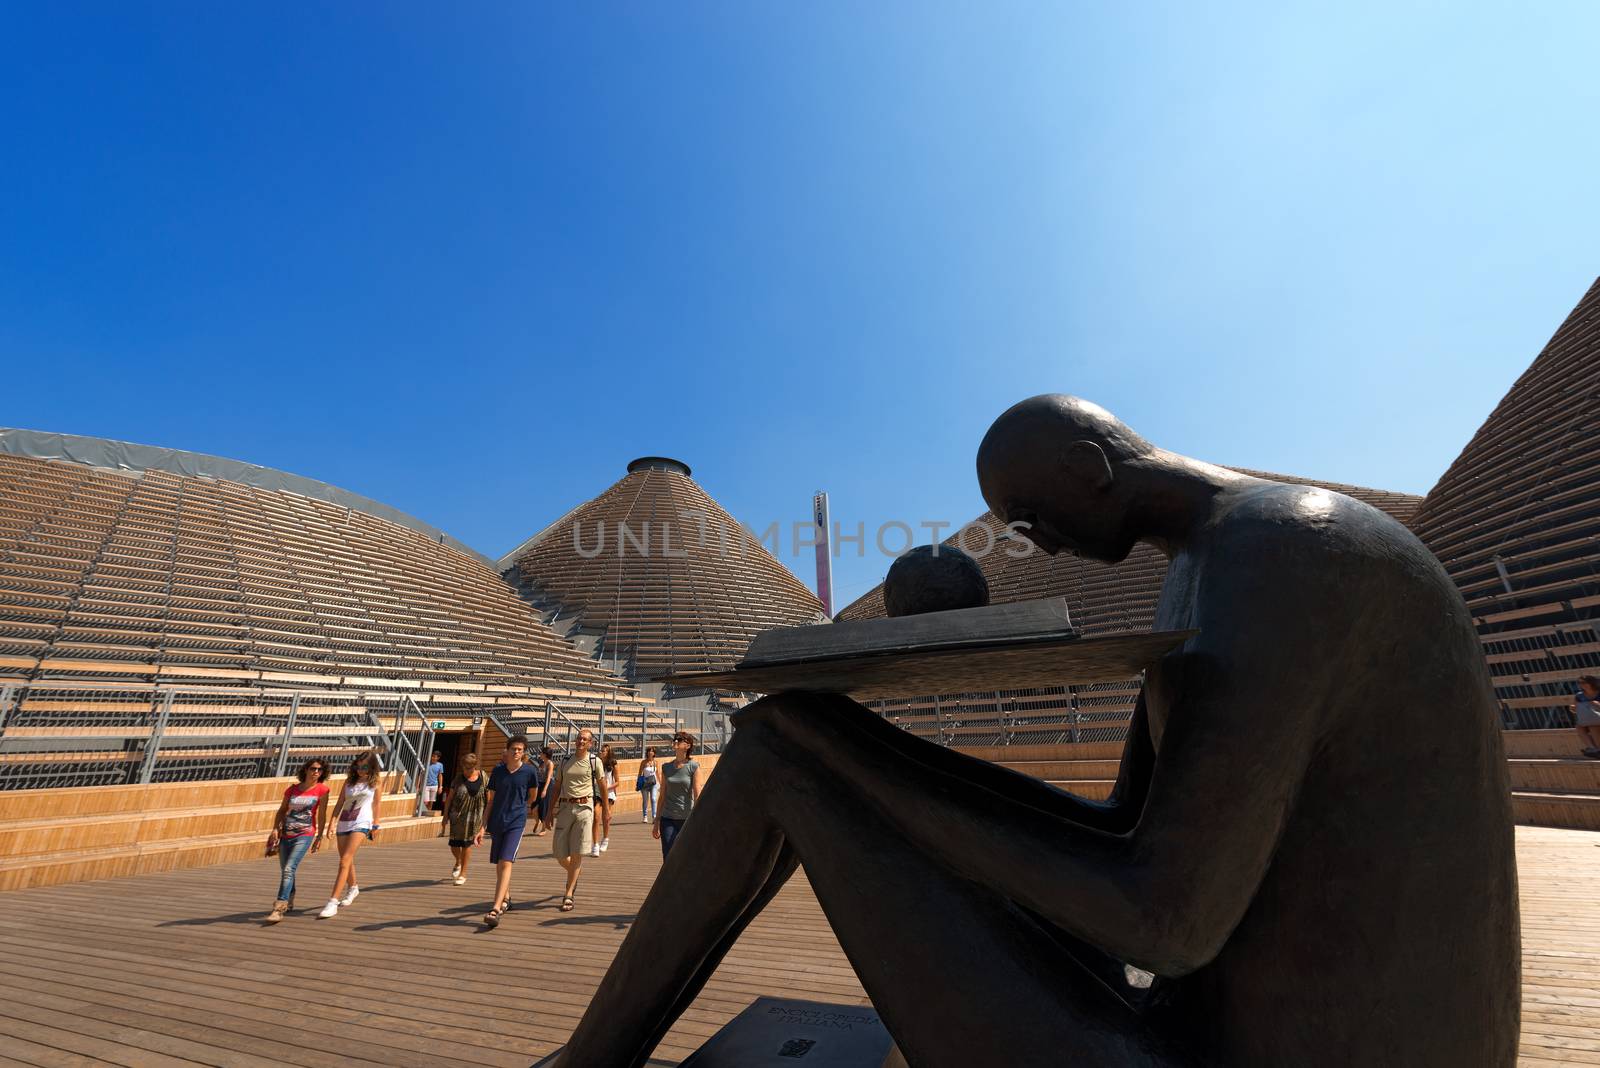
x=244, y=627
x=1516, y=522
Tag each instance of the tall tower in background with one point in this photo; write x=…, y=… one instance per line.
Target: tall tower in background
x=819, y=516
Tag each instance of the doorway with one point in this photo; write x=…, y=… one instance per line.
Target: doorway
x=451, y=747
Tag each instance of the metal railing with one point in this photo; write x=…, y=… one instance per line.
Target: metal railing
x=410, y=757
x=636, y=729
x=553, y=709
x=70, y=733
x=1039, y=716
x=61, y=734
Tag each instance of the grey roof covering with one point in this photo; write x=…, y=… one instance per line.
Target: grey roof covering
x=130, y=457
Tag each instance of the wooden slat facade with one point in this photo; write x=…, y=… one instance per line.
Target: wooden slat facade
x=1516, y=522
x=115, y=586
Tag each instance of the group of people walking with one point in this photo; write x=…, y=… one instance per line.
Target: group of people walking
x=300, y=826
x=570, y=799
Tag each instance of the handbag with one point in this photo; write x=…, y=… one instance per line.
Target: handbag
x=272, y=845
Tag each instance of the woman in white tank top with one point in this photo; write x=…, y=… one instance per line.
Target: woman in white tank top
x=355, y=811
x=359, y=804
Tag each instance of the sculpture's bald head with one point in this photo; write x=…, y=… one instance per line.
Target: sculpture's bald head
x=1052, y=462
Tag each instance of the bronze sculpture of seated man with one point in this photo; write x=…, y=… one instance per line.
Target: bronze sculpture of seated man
x=1315, y=872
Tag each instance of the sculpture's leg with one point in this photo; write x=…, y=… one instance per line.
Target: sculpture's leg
x=960, y=975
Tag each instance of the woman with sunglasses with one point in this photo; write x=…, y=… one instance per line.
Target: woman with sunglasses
x=298, y=828
x=680, y=789
x=359, y=804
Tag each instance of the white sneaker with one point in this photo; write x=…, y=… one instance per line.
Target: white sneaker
x=605, y=844
x=461, y=880
x=350, y=896
x=455, y=872
x=594, y=851
x=330, y=909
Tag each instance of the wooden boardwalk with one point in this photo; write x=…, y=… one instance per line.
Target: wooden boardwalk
x=177, y=968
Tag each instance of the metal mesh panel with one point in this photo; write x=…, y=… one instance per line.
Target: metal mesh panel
x=1048, y=715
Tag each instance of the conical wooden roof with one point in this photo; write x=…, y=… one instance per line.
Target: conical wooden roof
x=1525, y=492
x=670, y=580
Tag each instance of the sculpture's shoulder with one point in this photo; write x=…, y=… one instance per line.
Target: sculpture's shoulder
x=1301, y=564
x=1296, y=516
x=1307, y=538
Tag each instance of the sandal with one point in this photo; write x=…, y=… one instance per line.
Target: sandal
x=566, y=903
x=493, y=918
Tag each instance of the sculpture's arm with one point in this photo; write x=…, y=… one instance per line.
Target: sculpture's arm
x=1133, y=772
x=1165, y=893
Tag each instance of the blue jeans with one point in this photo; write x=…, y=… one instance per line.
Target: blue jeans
x=647, y=804
x=669, y=834
x=291, y=851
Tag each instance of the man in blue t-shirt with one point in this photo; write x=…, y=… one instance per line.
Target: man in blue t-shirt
x=430, y=785
x=513, y=787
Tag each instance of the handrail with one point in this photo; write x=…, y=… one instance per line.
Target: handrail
x=421, y=752
x=572, y=728
x=408, y=757
x=10, y=694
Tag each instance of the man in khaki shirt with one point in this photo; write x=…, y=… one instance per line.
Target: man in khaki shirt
x=579, y=787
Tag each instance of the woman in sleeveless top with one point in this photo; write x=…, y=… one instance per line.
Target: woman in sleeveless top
x=680, y=789
x=608, y=763
x=464, y=807
x=547, y=771
x=298, y=828
x=360, y=801
x=646, y=785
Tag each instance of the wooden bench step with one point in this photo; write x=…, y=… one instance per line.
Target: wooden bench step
x=1064, y=769
x=62, y=803
x=1063, y=751
x=1565, y=775
x=1552, y=809
x=23, y=838
x=1092, y=789
x=82, y=865
x=1542, y=744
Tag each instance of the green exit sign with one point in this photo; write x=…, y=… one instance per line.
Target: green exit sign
x=438, y=724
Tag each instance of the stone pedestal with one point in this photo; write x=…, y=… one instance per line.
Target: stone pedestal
x=787, y=1033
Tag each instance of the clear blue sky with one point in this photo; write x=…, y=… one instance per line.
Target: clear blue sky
x=470, y=260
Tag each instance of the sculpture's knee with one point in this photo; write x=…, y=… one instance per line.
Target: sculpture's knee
x=786, y=712
x=770, y=715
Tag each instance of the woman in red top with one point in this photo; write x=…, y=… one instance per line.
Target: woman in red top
x=298, y=828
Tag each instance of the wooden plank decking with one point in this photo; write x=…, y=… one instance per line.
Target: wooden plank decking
x=176, y=967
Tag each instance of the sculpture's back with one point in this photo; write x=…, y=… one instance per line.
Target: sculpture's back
x=1385, y=929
